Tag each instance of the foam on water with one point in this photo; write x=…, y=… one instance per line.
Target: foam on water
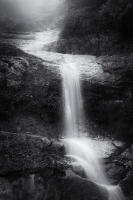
x=79, y=148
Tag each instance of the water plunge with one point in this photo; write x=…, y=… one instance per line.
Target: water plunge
x=78, y=147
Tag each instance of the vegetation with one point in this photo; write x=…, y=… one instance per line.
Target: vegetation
x=97, y=27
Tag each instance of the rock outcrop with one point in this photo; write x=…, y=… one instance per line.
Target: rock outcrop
x=108, y=102
x=127, y=185
x=27, y=87
x=34, y=167
x=26, y=153
x=46, y=185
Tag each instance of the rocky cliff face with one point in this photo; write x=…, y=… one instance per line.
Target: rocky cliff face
x=25, y=153
x=108, y=102
x=27, y=88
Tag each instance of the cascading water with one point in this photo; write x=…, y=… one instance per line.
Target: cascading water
x=78, y=147
x=73, y=100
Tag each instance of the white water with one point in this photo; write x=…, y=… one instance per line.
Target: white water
x=79, y=148
x=73, y=100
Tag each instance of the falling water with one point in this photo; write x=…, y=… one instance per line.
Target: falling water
x=77, y=147
x=73, y=100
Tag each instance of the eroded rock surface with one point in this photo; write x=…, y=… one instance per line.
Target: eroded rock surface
x=108, y=102
x=28, y=87
x=25, y=153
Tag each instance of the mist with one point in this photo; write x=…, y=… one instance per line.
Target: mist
x=33, y=7
x=26, y=15
x=28, y=8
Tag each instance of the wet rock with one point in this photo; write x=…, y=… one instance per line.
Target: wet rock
x=16, y=72
x=47, y=186
x=5, y=189
x=129, y=165
x=127, y=155
x=117, y=173
x=132, y=148
x=127, y=185
x=21, y=187
x=74, y=187
x=28, y=86
x=20, y=153
x=77, y=169
x=119, y=164
x=108, y=102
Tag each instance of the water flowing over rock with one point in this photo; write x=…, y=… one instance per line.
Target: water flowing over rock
x=79, y=149
x=73, y=100
x=55, y=183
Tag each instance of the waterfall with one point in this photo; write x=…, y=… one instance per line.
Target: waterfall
x=79, y=148
x=72, y=99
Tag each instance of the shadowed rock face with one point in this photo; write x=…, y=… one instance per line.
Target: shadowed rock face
x=49, y=186
x=27, y=87
x=74, y=187
x=34, y=167
x=127, y=185
x=108, y=102
x=25, y=153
